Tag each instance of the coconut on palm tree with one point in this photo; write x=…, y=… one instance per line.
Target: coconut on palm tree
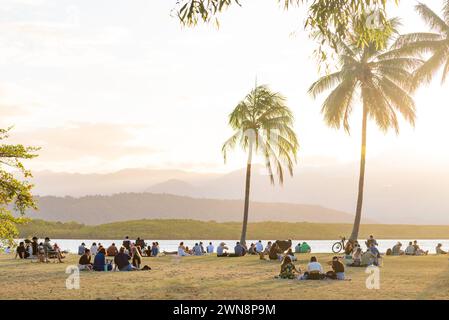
x=435, y=44
x=379, y=81
x=263, y=125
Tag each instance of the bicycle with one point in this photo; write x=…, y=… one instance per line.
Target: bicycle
x=338, y=246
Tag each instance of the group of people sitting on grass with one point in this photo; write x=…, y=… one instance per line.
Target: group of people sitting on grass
x=314, y=270
x=106, y=258
x=130, y=246
x=412, y=249
x=41, y=251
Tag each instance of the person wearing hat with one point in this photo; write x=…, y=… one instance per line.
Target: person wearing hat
x=439, y=250
x=396, y=250
x=221, y=250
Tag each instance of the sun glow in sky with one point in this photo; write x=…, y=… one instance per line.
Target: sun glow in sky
x=108, y=84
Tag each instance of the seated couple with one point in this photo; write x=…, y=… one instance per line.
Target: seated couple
x=303, y=248
x=413, y=249
x=314, y=270
x=370, y=257
x=239, y=250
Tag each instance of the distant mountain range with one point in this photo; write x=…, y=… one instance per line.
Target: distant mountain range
x=393, y=195
x=133, y=206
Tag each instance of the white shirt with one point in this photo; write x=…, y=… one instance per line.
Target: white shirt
x=210, y=248
x=314, y=266
x=220, y=250
x=93, y=250
x=259, y=247
x=182, y=253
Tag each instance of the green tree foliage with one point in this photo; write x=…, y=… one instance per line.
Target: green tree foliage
x=15, y=189
x=435, y=43
x=382, y=80
x=263, y=124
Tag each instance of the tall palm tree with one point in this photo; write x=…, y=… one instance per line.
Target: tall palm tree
x=380, y=79
x=436, y=44
x=263, y=124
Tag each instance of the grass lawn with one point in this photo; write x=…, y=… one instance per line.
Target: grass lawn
x=223, y=278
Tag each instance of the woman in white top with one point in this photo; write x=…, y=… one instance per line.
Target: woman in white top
x=93, y=249
x=314, y=266
x=182, y=251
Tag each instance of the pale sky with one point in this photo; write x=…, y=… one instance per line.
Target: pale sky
x=110, y=84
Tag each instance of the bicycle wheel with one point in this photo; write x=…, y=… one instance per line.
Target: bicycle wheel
x=336, y=248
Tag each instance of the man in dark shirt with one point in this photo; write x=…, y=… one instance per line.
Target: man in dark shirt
x=85, y=261
x=34, y=245
x=122, y=261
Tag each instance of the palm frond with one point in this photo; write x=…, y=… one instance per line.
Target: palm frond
x=432, y=19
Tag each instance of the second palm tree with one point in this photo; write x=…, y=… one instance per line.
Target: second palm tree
x=263, y=124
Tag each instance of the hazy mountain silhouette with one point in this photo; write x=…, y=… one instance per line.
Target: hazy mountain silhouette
x=392, y=195
x=132, y=206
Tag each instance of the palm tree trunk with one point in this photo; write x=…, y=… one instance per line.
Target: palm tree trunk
x=247, y=189
x=358, y=214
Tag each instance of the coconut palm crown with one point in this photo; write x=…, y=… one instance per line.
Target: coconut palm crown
x=263, y=125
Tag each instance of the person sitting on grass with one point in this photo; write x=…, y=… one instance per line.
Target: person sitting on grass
x=197, y=250
x=291, y=254
x=370, y=241
x=418, y=250
x=100, y=261
x=221, y=250
x=137, y=257
x=439, y=249
x=84, y=262
x=338, y=268
x=154, y=249
x=298, y=248
x=34, y=245
x=275, y=252
x=210, y=248
x=239, y=250
x=305, y=248
x=94, y=249
x=121, y=260
x=252, y=249
x=396, y=250
x=58, y=251
x=81, y=249
x=375, y=252
x=288, y=269
x=314, y=270
x=182, y=251
x=259, y=246
x=410, y=250
x=112, y=250
x=356, y=258
x=21, y=251
x=368, y=259
x=268, y=247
